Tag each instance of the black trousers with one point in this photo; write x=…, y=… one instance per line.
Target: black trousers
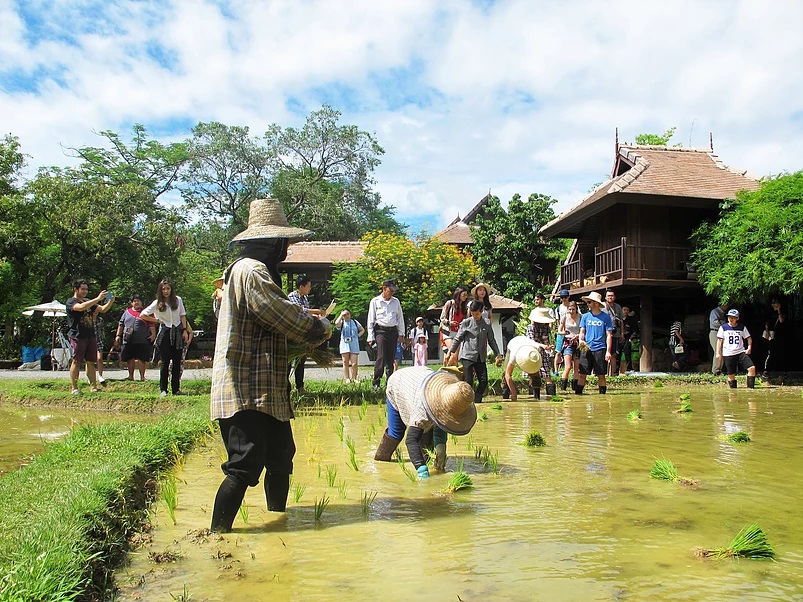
x=169, y=354
x=386, y=339
x=480, y=370
x=299, y=372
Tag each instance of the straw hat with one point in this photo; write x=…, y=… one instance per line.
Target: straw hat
x=449, y=403
x=595, y=296
x=266, y=219
x=217, y=283
x=528, y=358
x=488, y=289
x=540, y=315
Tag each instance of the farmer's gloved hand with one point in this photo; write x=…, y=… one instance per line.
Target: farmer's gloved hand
x=423, y=472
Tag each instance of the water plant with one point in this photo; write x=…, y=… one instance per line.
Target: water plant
x=739, y=437
x=244, y=513
x=320, y=506
x=750, y=542
x=169, y=492
x=298, y=491
x=534, y=439
x=331, y=474
x=366, y=501
x=496, y=406
x=405, y=469
x=459, y=480
x=634, y=414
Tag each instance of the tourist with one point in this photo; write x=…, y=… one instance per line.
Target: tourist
x=418, y=400
x=677, y=345
x=217, y=295
x=776, y=333
x=524, y=353
x=614, y=310
x=300, y=297
x=482, y=293
x=473, y=338
x=81, y=315
x=350, y=333
x=168, y=310
x=135, y=334
x=630, y=329
x=385, y=329
x=100, y=324
x=539, y=330
x=560, y=313
x=716, y=319
x=454, y=311
x=594, y=343
x=250, y=395
x=569, y=331
x=421, y=351
x=730, y=347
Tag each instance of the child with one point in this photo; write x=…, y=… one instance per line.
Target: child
x=420, y=353
x=730, y=347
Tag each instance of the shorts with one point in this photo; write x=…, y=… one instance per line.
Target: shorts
x=83, y=349
x=569, y=349
x=593, y=361
x=136, y=351
x=734, y=362
x=615, y=342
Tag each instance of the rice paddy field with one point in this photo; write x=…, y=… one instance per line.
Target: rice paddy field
x=579, y=518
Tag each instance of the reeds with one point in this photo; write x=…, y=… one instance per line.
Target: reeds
x=459, y=480
x=750, y=542
x=534, y=439
x=320, y=506
x=739, y=437
x=634, y=414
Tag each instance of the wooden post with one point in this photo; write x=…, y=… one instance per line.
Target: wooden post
x=596, y=265
x=624, y=257
x=645, y=351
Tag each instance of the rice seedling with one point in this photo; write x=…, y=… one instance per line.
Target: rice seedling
x=739, y=437
x=350, y=443
x=685, y=396
x=331, y=474
x=405, y=469
x=556, y=399
x=469, y=442
x=429, y=456
x=685, y=407
x=298, y=491
x=169, y=492
x=459, y=480
x=482, y=416
x=352, y=462
x=339, y=426
x=320, y=506
x=184, y=596
x=342, y=488
x=363, y=410
x=370, y=432
x=750, y=542
x=319, y=470
x=496, y=406
x=665, y=470
x=454, y=439
x=366, y=501
x=491, y=461
x=479, y=451
x=657, y=384
x=534, y=439
x=177, y=456
x=244, y=513
x=634, y=414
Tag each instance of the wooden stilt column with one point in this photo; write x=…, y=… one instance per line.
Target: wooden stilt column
x=645, y=353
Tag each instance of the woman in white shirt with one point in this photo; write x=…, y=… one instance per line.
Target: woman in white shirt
x=168, y=310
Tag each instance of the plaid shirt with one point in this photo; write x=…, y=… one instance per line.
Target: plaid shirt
x=539, y=332
x=299, y=299
x=255, y=321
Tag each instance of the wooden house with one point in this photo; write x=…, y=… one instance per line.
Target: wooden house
x=632, y=233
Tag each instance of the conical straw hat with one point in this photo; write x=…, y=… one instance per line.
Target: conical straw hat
x=449, y=403
x=528, y=358
x=266, y=219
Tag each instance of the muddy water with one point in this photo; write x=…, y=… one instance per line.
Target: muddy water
x=579, y=519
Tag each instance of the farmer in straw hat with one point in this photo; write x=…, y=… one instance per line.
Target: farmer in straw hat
x=539, y=331
x=524, y=353
x=594, y=347
x=250, y=392
x=420, y=399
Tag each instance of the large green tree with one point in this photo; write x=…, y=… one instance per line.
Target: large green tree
x=508, y=250
x=755, y=247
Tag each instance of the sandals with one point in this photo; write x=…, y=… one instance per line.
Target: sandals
x=96, y=389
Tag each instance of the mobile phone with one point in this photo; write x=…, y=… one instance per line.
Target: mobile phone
x=109, y=296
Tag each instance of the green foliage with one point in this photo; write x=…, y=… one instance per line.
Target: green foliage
x=739, y=437
x=755, y=245
x=656, y=139
x=507, y=248
x=534, y=439
x=665, y=470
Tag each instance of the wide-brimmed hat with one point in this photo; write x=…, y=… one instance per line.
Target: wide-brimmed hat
x=528, y=358
x=488, y=289
x=540, y=315
x=266, y=219
x=595, y=296
x=449, y=403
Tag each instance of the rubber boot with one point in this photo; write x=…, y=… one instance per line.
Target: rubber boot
x=537, y=393
x=751, y=382
x=229, y=497
x=564, y=382
x=440, y=457
x=603, y=390
x=277, y=486
x=551, y=389
x=579, y=389
x=732, y=383
x=387, y=446
x=574, y=385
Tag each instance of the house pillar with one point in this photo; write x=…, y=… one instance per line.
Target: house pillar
x=645, y=352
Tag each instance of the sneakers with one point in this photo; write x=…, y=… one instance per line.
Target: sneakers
x=75, y=392
x=179, y=393
x=101, y=380
x=163, y=394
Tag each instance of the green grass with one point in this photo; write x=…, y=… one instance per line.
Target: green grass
x=750, y=542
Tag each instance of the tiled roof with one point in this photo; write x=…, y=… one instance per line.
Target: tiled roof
x=497, y=301
x=324, y=252
x=457, y=233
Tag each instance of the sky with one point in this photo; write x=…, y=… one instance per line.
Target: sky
x=507, y=96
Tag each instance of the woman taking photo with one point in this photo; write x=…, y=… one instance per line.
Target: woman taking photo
x=350, y=332
x=454, y=311
x=168, y=310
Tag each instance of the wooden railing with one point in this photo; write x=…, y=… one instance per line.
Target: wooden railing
x=629, y=261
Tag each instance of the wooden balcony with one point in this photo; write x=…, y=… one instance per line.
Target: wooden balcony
x=632, y=263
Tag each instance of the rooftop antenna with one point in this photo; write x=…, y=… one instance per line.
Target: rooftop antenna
x=711, y=141
x=615, y=153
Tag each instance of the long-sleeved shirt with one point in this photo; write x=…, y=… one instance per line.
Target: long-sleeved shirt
x=255, y=321
x=169, y=317
x=475, y=337
x=716, y=319
x=384, y=312
x=405, y=392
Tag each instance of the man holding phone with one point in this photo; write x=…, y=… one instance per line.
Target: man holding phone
x=81, y=315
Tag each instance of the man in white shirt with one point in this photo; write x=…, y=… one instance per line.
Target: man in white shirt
x=731, y=349
x=385, y=329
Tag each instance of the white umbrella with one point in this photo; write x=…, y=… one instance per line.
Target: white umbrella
x=52, y=309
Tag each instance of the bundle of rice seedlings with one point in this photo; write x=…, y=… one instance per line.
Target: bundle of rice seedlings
x=459, y=480
x=739, y=437
x=534, y=439
x=320, y=355
x=665, y=470
x=685, y=396
x=657, y=384
x=750, y=542
x=634, y=414
x=482, y=416
x=684, y=408
x=496, y=406
x=556, y=398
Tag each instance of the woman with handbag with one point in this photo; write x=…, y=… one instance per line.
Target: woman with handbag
x=168, y=310
x=677, y=346
x=454, y=311
x=134, y=334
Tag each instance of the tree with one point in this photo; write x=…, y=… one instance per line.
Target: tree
x=656, y=139
x=508, y=250
x=755, y=246
x=426, y=270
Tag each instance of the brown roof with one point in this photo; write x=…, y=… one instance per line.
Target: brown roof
x=324, y=252
x=456, y=233
x=497, y=301
x=658, y=171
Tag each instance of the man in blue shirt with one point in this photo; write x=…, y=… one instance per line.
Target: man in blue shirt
x=596, y=336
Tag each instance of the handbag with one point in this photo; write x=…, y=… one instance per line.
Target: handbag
x=679, y=349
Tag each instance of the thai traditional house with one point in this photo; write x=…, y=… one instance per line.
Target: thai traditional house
x=632, y=234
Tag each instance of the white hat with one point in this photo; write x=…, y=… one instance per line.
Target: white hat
x=540, y=315
x=449, y=403
x=528, y=358
x=595, y=296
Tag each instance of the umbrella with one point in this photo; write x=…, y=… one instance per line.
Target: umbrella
x=51, y=309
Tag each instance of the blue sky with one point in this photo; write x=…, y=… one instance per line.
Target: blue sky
x=511, y=96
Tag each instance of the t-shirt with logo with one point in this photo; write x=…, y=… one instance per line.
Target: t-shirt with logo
x=81, y=323
x=733, y=338
x=597, y=328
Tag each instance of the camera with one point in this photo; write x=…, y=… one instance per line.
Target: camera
x=347, y=339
